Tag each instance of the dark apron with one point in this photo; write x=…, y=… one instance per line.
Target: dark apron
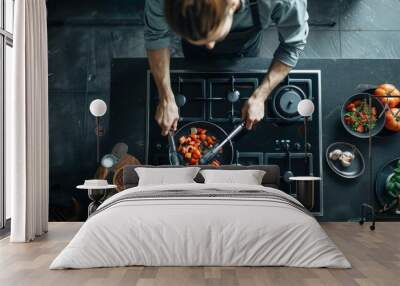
x=245, y=43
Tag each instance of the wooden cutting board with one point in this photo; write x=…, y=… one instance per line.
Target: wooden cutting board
x=118, y=173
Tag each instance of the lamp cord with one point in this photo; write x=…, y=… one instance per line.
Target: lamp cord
x=305, y=146
x=98, y=138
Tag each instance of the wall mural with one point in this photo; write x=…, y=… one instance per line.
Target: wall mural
x=92, y=56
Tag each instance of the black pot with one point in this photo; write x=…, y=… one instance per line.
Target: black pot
x=285, y=101
x=380, y=123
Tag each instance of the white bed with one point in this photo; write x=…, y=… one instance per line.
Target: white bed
x=245, y=225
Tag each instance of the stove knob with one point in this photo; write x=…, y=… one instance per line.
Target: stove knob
x=233, y=96
x=180, y=100
x=297, y=146
x=282, y=145
x=277, y=145
x=308, y=147
x=286, y=145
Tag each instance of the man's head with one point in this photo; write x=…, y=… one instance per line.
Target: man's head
x=201, y=22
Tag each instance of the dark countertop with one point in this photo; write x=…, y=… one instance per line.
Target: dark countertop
x=339, y=79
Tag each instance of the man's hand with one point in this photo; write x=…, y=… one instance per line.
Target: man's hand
x=167, y=115
x=253, y=109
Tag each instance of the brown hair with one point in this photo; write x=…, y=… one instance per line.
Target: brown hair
x=195, y=19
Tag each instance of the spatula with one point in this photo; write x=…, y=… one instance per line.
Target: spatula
x=214, y=152
x=172, y=149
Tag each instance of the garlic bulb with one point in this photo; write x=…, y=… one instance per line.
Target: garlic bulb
x=348, y=156
x=335, y=154
x=345, y=162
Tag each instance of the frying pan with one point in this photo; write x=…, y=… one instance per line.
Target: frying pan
x=225, y=157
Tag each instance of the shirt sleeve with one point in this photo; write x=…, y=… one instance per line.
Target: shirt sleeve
x=156, y=31
x=291, y=19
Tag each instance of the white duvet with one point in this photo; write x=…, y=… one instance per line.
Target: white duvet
x=201, y=231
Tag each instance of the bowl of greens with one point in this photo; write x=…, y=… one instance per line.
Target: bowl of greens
x=359, y=119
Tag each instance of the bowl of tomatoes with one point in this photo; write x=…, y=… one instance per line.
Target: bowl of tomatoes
x=359, y=119
x=196, y=139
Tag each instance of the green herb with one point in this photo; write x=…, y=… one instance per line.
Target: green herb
x=360, y=117
x=393, y=186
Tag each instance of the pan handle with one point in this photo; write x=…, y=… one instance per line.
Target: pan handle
x=211, y=154
x=173, y=155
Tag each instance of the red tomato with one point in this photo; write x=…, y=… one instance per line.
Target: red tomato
x=348, y=120
x=360, y=129
x=196, y=154
x=182, y=139
x=393, y=119
x=388, y=90
x=350, y=107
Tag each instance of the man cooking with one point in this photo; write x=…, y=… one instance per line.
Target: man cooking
x=222, y=29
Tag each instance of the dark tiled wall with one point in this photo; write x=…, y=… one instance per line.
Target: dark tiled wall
x=364, y=29
x=85, y=35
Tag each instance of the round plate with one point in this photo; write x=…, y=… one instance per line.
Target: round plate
x=356, y=169
x=380, y=182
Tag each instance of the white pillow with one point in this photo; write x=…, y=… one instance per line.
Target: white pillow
x=166, y=176
x=248, y=177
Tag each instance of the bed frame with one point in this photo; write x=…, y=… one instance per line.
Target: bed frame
x=270, y=179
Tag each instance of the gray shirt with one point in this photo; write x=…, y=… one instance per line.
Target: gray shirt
x=289, y=16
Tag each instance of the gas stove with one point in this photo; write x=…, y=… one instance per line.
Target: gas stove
x=218, y=97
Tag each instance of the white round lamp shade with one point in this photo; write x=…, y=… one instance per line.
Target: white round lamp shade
x=306, y=107
x=98, y=107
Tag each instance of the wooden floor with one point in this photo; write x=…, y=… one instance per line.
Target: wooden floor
x=375, y=257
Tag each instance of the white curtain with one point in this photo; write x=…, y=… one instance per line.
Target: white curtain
x=27, y=124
